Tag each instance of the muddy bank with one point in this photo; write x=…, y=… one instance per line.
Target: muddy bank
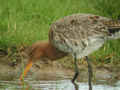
x=60, y=69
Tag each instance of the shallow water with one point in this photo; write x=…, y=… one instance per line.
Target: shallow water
x=53, y=85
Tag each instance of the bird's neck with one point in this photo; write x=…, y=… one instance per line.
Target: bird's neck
x=53, y=53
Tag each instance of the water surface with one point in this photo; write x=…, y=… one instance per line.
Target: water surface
x=53, y=85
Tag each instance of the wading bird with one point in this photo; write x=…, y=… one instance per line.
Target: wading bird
x=79, y=35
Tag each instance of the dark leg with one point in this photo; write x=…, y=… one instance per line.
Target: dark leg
x=76, y=69
x=90, y=73
x=76, y=73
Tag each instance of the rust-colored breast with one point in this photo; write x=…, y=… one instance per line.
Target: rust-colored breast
x=53, y=53
x=37, y=50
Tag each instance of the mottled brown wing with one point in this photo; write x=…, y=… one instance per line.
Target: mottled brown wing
x=71, y=33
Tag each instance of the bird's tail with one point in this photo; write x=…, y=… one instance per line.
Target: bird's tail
x=112, y=24
x=113, y=28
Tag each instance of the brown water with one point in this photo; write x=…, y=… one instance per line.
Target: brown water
x=53, y=85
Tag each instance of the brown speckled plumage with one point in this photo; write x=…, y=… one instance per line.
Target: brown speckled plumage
x=74, y=33
x=78, y=34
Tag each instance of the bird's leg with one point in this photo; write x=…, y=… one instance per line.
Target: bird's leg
x=76, y=73
x=90, y=73
x=27, y=68
x=76, y=69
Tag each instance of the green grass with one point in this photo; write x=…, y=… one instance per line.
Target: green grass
x=27, y=21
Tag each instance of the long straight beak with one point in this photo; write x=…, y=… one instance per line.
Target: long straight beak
x=27, y=68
